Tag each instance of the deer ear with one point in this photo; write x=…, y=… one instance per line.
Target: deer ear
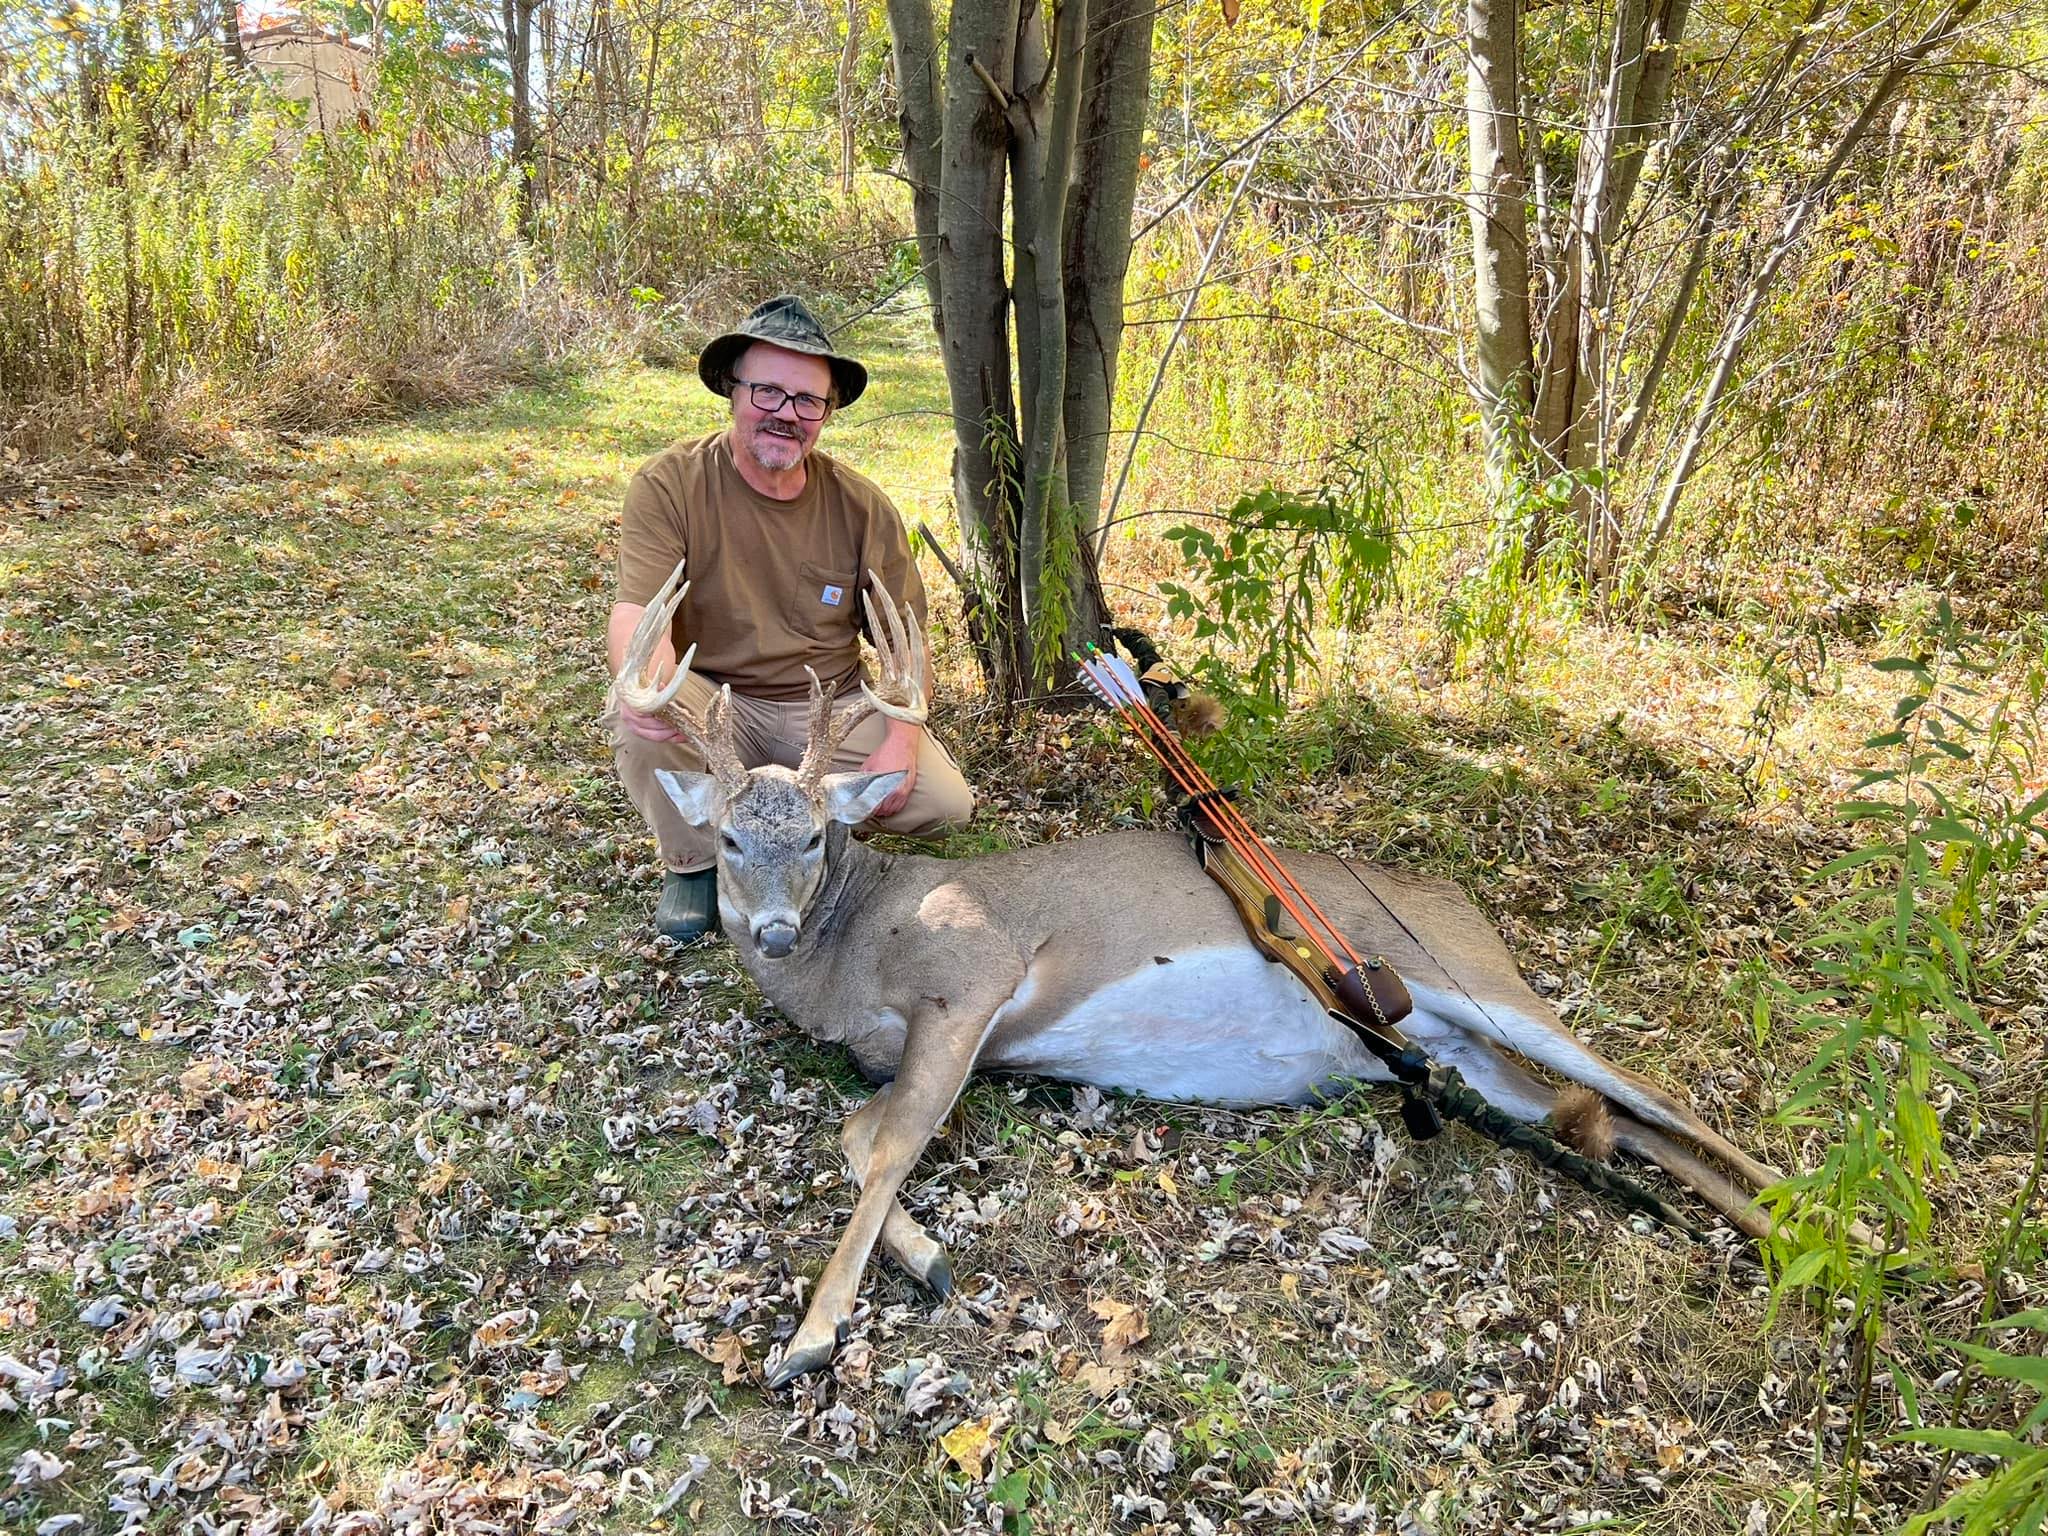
x=696, y=795
x=852, y=797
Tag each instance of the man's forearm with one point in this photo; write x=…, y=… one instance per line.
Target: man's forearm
x=904, y=734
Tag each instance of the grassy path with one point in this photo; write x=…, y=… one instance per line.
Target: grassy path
x=360, y=1153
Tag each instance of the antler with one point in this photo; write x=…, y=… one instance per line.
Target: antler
x=899, y=690
x=636, y=688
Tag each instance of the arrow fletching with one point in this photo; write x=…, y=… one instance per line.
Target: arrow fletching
x=1111, y=680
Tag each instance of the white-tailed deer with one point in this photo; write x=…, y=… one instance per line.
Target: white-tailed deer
x=1111, y=960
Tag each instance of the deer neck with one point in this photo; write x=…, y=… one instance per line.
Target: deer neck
x=853, y=872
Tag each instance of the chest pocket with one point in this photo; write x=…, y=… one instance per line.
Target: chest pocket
x=826, y=604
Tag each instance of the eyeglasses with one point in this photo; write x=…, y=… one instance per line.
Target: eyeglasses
x=772, y=397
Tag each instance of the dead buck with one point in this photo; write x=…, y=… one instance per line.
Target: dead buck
x=1110, y=960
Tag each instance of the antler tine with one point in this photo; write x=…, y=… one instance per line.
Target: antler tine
x=716, y=743
x=636, y=688
x=635, y=684
x=899, y=646
x=822, y=738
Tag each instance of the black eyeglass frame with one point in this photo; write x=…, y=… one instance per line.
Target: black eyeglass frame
x=783, y=396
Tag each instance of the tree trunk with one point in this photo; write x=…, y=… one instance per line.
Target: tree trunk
x=849, y=62
x=1663, y=34
x=643, y=131
x=1500, y=235
x=1030, y=91
x=603, y=61
x=1544, y=366
x=1052, y=550
x=1006, y=117
x=518, y=22
x=914, y=52
x=1098, y=239
x=1570, y=400
x=976, y=343
x=231, y=35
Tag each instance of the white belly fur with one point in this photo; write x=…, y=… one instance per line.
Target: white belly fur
x=1222, y=1025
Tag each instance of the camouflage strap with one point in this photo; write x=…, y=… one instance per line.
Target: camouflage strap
x=1435, y=1088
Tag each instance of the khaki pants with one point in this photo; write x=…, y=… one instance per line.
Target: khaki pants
x=765, y=731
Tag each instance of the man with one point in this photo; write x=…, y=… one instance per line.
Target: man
x=779, y=539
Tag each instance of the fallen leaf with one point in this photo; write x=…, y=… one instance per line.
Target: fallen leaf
x=1103, y=1380
x=970, y=1445
x=729, y=1354
x=1123, y=1326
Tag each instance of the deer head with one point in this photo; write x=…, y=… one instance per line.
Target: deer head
x=778, y=831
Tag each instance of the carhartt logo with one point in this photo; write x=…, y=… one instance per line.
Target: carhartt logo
x=831, y=596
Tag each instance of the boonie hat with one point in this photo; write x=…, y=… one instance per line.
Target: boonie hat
x=785, y=321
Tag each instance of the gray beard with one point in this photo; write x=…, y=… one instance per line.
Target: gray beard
x=761, y=445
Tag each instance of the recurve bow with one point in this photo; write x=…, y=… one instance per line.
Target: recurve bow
x=1363, y=994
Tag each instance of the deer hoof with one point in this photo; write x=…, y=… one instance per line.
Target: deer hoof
x=925, y=1262
x=805, y=1355
x=800, y=1362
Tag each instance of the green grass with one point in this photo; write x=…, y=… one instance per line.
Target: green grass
x=301, y=778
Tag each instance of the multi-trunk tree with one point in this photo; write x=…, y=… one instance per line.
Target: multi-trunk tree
x=1021, y=136
x=1580, y=297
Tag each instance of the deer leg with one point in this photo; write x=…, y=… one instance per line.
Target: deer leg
x=1697, y=1175
x=938, y=1053
x=914, y=1249
x=1548, y=1043
x=1507, y=1086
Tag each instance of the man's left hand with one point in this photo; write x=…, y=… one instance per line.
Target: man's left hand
x=898, y=751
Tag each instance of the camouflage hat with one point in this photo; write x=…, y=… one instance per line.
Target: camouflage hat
x=784, y=322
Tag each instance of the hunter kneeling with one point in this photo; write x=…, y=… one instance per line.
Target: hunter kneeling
x=779, y=539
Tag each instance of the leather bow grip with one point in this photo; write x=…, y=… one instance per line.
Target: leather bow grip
x=1373, y=994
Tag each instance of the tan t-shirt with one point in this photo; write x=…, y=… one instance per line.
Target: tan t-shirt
x=774, y=585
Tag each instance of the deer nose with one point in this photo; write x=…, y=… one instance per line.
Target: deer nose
x=775, y=940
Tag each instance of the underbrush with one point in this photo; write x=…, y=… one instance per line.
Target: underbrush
x=1925, y=935
x=1859, y=469
x=186, y=256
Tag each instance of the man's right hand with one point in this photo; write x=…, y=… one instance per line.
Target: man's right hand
x=648, y=727
x=618, y=629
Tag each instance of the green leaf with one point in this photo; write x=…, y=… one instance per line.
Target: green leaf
x=1805, y=1269
x=1909, y=1395
x=2032, y=1369
x=1948, y=829
x=1952, y=1002
x=1971, y=1442
x=1856, y=860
